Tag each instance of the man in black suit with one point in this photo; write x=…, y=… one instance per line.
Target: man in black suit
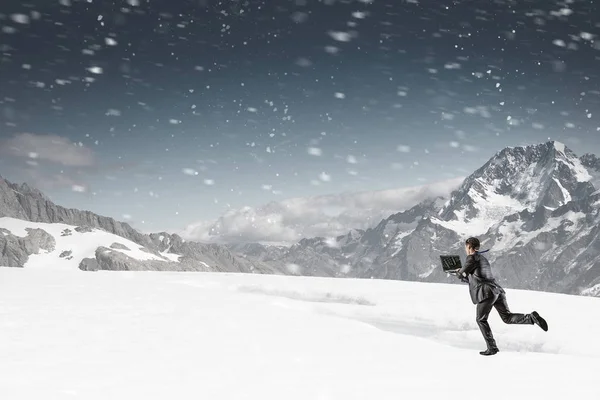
x=487, y=293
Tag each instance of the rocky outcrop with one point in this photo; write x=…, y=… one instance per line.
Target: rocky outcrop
x=89, y=264
x=109, y=260
x=66, y=254
x=119, y=246
x=24, y=202
x=12, y=252
x=15, y=251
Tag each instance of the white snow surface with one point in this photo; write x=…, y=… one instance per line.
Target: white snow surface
x=170, y=256
x=491, y=208
x=398, y=241
x=82, y=245
x=566, y=195
x=560, y=147
x=147, y=335
x=512, y=233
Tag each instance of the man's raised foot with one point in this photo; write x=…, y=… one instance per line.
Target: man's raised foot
x=539, y=321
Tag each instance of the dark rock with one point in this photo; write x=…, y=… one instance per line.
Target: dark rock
x=66, y=253
x=89, y=264
x=119, y=246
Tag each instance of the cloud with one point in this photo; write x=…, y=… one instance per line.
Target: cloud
x=51, y=162
x=53, y=148
x=46, y=181
x=290, y=220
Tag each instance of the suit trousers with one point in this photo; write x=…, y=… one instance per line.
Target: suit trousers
x=498, y=301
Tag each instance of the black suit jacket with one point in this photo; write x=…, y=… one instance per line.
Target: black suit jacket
x=482, y=284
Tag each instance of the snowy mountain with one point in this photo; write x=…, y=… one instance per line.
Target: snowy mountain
x=35, y=231
x=537, y=207
x=65, y=246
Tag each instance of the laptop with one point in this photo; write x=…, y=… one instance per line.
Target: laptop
x=451, y=263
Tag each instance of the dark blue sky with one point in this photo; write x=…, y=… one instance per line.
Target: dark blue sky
x=170, y=112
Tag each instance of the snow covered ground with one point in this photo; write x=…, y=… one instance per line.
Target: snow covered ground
x=147, y=335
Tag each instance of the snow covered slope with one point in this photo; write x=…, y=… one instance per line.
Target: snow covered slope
x=124, y=335
x=72, y=244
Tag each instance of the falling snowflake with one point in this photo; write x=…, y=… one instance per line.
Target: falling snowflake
x=340, y=36
x=20, y=18
x=452, y=65
x=96, y=70
x=189, y=171
x=565, y=12
x=325, y=177
x=293, y=268
x=303, y=62
x=345, y=269
x=114, y=113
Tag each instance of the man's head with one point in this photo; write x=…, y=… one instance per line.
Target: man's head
x=472, y=245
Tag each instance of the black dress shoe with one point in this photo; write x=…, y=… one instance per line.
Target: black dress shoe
x=489, y=352
x=539, y=321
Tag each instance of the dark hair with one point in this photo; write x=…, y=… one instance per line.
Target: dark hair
x=473, y=242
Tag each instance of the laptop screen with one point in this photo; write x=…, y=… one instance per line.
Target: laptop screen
x=450, y=263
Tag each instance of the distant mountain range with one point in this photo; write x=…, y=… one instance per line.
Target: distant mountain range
x=36, y=211
x=537, y=207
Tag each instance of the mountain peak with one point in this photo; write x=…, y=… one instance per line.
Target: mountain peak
x=558, y=146
x=515, y=179
x=550, y=149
